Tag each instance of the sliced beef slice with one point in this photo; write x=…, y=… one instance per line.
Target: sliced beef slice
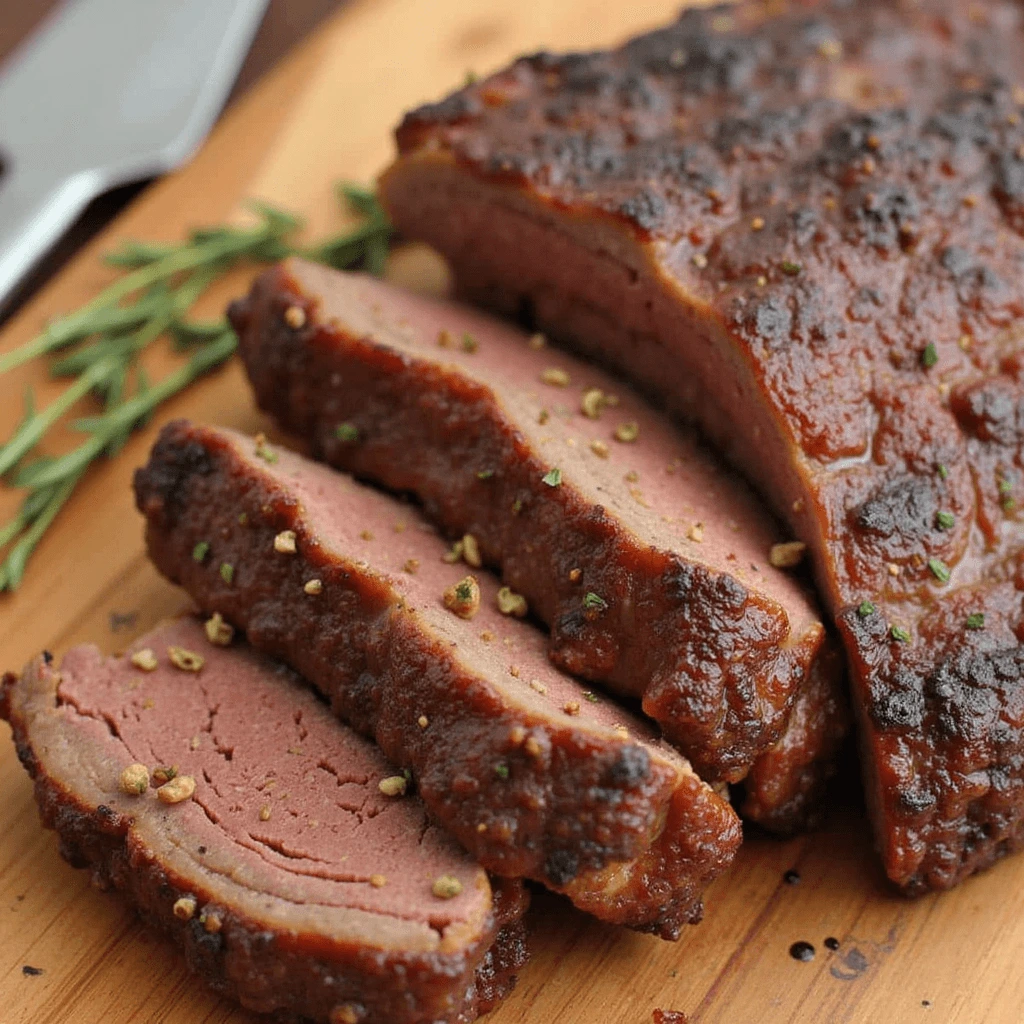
x=473, y=417
x=803, y=226
x=535, y=775
x=293, y=884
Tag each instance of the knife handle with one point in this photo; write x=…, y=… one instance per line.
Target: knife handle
x=34, y=212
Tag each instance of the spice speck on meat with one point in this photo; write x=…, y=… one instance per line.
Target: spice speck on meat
x=555, y=376
x=471, y=551
x=219, y=632
x=511, y=603
x=177, y=790
x=592, y=402
x=393, y=785
x=313, y=586
x=284, y=542
x=135, y=779
x=186, y=660
x=463, y=598
x=185, y=908
x=787, y=555
x=627, y=433
x=295, y=317
x=446, y=887
x=145, y=660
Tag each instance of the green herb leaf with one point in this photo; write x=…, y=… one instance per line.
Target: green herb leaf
x=501, y=770
x=939, y=569
x=485, y=474
x=553, y=477
x=790, y=268
x=899, y=633
x=227, y=572
x=943, y=471
x=945, y=520
x=594, y=602
x=865, y=609
x=346, y=432
x=929, y=356
x=200, y=551
x=976, y=620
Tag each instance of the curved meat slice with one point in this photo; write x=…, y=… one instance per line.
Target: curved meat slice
x=292, y=882
x=803, y=226
x=474, y=417
x=535, y=775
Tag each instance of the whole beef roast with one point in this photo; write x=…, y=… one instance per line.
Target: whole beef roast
x=803, y=225
x=535, y=775
x=272, y=856
x=476, y=418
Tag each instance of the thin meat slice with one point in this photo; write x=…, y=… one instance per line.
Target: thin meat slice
x=577, y=490
x=802, y=226
x=293, y=884
x=535, y=775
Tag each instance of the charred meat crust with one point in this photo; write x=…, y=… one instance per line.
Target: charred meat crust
x=812, y=246
x=296, y=977
x=629, y=834
x=713, y=660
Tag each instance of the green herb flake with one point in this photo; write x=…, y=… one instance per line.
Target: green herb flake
x=227, y=572
x=469, y=343
x=943, y=471
x=553, y=477
x=790, y=268
x=939, y=569
x=1005, y=485
x=517, y=506
x=976, y=620
x=899, y=633
x=592, y=697
x=594, y=602
x=945, y=520
x=485, y=474
x=200, y=551
x=929, y=356
x=464, y=590
x=243, y=519
x=501, y=770
x=865, y=609
x=266, y=454
x=346, y=432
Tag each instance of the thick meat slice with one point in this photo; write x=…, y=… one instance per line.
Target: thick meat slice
x=532, y=773
x=471, y=416
x=801, y=225
x=293, y=884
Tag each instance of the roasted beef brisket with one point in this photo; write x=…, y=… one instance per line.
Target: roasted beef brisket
x=801, y=225
x=290, y=880
x=473, y=416
x=535, y=775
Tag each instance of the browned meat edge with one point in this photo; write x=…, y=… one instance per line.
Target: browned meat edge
x=828, y=278
x=243, y=961
x=627, y=834
x=427, y=430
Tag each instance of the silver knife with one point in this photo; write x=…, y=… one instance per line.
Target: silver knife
x=107, y=92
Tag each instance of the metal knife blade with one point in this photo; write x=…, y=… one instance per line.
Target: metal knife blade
x=107, y=92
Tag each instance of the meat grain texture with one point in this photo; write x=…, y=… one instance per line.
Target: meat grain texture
x=291, y=882
x=671, y=551
x=801, y=225
x=534, y=774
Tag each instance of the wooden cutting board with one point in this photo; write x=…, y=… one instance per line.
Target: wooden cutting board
x=324, y=115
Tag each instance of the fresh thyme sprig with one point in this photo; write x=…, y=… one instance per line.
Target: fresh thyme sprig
x=101, y=342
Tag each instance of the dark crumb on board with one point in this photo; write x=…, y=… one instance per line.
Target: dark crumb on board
x=926, y=1002
x=670, y=1017
x=802, y=951
x=791, y=877
x=122, y=620
x=831, y=943
x=48, y=657
x=31, y=972
x=202, y=850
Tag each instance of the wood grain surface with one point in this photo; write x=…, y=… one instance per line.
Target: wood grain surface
x=325, y=115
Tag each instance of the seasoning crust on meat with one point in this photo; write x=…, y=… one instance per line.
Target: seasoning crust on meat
x=673, y=554
x=532, y=773
x=270, y=852
x=801, y=225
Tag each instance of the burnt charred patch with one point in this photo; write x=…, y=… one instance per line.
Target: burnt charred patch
x=161, y=486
